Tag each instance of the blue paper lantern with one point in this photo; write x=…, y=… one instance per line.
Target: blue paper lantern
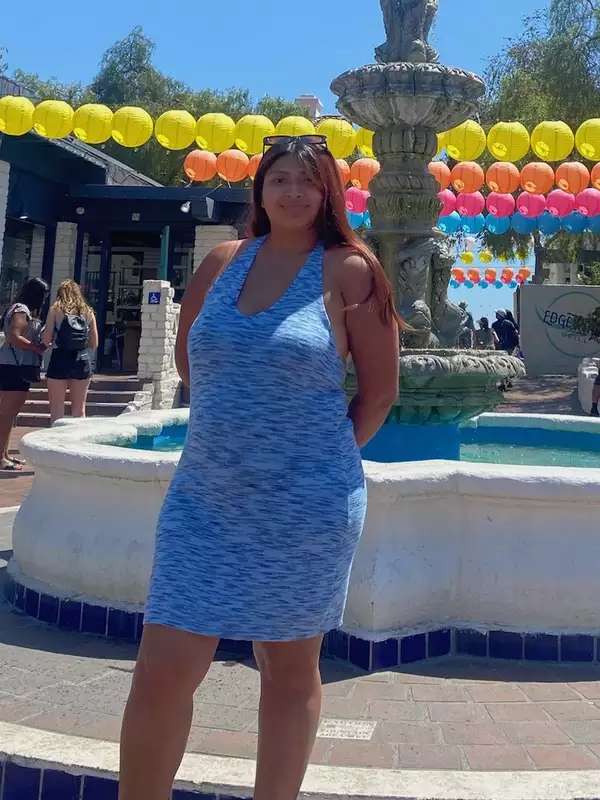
x=355, y=220
x=498, y=284
x=473, y=225
x=450, y=223
x=469, y=284
x=454, y=284
x=575, y=222
x=513, y=285
x=594, y=224
x=497, y=225
x=367, y=220
x=483, y=284
x=549, y=223
x=523, y=225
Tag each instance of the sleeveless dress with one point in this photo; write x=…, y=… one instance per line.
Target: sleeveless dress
x=259, y=528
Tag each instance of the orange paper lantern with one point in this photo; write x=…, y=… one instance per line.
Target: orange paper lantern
x=441, y=172
x=474, y=275
x=596, y=176
x=573, y=177
x=344, y=170
x=200, y=165
x=253, y=165
x=233, y=165
x=363, y=171
x=490, y=275
x=503, y=177
x=537, y=177
x=467, y=177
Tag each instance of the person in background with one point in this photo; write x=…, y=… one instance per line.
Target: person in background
x=508, y=336
x=485, y=338
x=71, y=330
x=20, y=361
x=510, y=318
x=465, y=337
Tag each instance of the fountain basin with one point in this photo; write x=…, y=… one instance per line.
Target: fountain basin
x=448, y=545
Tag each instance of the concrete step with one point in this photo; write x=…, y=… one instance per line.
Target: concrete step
x=91, y=409
x=94, y=396
x=27, y=420
x=102, y=384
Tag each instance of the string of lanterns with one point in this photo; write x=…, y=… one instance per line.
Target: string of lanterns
x=533, y=198
x=488, y=277
x=511, y=141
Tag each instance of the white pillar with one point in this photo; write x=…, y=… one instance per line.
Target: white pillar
x=156, y=358
x=36, y=260
x=209, y=236
x=64, y=254
x=4, y=177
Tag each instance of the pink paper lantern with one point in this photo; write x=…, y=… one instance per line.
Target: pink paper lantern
x=500, y=205
x=531, y=205
x=356, y=200
x=560, y=203
x=588, y=202
x=448, y=200
x=469, y=204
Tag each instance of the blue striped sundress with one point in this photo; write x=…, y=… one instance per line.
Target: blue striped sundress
x=259, y=528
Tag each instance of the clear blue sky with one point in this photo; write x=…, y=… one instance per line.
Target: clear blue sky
x=267, y=46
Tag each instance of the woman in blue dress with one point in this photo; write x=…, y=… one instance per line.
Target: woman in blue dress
x=261, y=522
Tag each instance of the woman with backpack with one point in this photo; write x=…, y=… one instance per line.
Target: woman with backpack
x=71, y=328
x=20, y=361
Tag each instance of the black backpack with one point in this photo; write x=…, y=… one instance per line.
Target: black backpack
x=73, y=333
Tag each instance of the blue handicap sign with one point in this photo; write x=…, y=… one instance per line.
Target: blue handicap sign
x=154, y=298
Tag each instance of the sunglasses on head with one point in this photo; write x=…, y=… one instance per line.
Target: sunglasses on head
x=313, y=139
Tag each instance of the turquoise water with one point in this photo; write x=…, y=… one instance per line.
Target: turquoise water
x=532, y=447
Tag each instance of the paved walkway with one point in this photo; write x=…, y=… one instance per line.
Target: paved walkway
x=550, y=394
x=459, y=714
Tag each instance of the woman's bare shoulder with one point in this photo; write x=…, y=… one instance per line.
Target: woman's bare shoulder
x=350, y=272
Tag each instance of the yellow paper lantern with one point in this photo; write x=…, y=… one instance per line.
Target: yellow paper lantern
x=552, y=141
x=215, y=132
x=364, y=142
x=486, y=257
x=92, y=123
x=53, y=119
x=132, y=126
x=294, y=126
x=508, y=141
x=466, y=142
x=341, y=137
x=587, y=139
x=467, y=257
x=175, y=130
x=16, y=115
x=250, y=132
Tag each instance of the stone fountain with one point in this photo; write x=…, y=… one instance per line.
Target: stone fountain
x=406, y=98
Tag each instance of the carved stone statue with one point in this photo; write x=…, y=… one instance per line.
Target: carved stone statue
x=407, y=24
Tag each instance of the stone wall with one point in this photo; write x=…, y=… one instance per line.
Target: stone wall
x=208, y=237
x=64, y=254
x=36, y=261
x=4, y=176
x=156, y=359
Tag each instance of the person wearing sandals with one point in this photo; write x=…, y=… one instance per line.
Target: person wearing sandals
x=72, y=332
x=20, y=360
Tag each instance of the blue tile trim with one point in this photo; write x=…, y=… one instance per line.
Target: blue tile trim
x=506, y=644
x=122, y=624
x=439, y=643
x=60, y=785
x=360, y=653
x=32, y=603
x=339, y=645
x=69, y=615
x=237, y=646
x=471, y=642
x=541, y=647
x=576, y=648
x=20, y=597
x=9, y=589
x=413, y=648
x=385, y=654
x=99, y=788
x=93, y=619
x=49, y=609
x=21, y=783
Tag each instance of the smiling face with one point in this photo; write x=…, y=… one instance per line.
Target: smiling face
x=292, y=196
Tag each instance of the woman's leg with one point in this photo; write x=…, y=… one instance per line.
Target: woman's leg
x=11, y=404
x=156, y=725
x=78, y=395
x=57, y=391
x=290, y=708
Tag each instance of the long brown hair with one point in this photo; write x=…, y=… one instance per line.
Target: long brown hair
x=332, y=223
x=70, y=300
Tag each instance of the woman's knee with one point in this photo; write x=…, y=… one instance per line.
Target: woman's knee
x=289, y=667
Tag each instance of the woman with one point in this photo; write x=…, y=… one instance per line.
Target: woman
x=20, y=361
x=485, y=338
x=71, y=328
x=260, y=524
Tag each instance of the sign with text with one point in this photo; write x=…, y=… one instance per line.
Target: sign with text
x=154, y=298
x=554, y=334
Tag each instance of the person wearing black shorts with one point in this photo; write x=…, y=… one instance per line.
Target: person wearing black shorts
x=72, y=332
x=20, y=361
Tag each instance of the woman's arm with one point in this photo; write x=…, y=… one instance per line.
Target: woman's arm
x=93, y=337
x=193, y=300
x=375, y=351
x=14, y=337
x=48, y=334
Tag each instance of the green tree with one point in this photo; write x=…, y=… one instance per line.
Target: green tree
x=52, y=89
x=3, y=60
x=551, y=71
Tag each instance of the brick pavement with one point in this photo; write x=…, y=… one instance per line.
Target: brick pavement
x=446, y=714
